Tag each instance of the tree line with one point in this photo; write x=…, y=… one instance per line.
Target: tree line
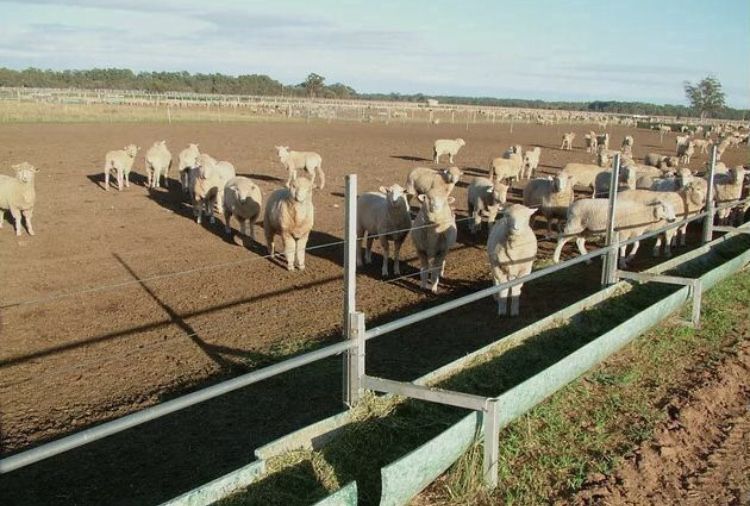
x=313, y=86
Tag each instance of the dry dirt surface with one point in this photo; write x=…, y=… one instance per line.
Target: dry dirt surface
x=700, y=456
x=68, y=362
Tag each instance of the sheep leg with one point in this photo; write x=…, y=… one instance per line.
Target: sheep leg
x=397, y=256
x=386, y=253
x=450, y=157
x=197, y=212
x=16, y=213
x=127, y=178
x=477, y=223
x=424, y=265
x=633, y=251
x=288, y=243
x=322, y=176
x=360, y=240
x=227, y=217
x=515, y=299
x=270, y=247
x=502, y=296
x=300, y=254
x=119, y=179
x=368, y=249
x=657, y=247
x=561, y=241
x=2, y=218
x=106, y=179
x=27, y=218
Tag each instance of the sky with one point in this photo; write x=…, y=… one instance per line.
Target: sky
x=640, y=50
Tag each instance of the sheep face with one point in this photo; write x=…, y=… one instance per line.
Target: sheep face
x=395, y=195
x=453, y=174
x=301, y=189
x=663, y=211
x=283, y=152
x=460, y=142
x=499, y=193
x=131, y=150
x=695, y=195
x=434, y=202
x=517, y=217
x=25, y=172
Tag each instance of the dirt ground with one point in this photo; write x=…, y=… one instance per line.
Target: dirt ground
x=701, y=455
x=68, y=363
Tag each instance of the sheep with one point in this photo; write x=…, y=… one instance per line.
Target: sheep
x=448, y=147
x=628, y=141
x=158, y=161
x=660, y=161
x=516, y=148
x=421, y=180
x=310, y=161
x=433, y=235
x=603, y=140
x=627, y=151
x=289, y=212
x=682, y=178
x=208, y=186
x=567, y=141
x=591, y=142
x=120, y=162
x=686, y=202
x=511, y=248
x=188, y=164
x=506, y=168
x=722, y=147
x=588, y=218
x=628, y=177
x=703, y=144
x=386, y=214
x=243, y=199
x=640, y=169
x=604, y=156
x=485, y=197
x=727, y=188
x=531, y=162
x=685, y=151
x=681, y=140
x=584, y=173
x=553, y=196
x=17, y=195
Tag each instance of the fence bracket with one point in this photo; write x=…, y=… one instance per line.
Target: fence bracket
x=694, y=284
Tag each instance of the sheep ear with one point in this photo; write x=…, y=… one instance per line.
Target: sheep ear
x=490, y=190
x=421, y=197
x=383, y=189
x=532, y=210
x=450, y=200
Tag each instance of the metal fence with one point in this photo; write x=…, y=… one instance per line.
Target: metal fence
x=355, y=378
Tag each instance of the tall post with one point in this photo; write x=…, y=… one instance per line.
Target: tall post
x=708, y=223
x=350, y=287
x=355, y=359
x=609, y=267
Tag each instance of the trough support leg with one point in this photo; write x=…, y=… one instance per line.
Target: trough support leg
x=697, y=293
x=491, y=421
x=694, y=286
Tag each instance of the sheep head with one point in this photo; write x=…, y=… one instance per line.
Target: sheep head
x=25, y=172
x=498, y=193
x=434, y=203
x=663, y=211
x=131, y=150
x=301, y=189
x=517, y=217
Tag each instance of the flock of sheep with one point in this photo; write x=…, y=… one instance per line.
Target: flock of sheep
x=652, y=193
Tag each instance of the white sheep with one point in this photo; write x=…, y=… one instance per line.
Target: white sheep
x=243, y=199
x=290, y=214
x=208, y=186
x=552, y=195
x=591, y=142
x=674, y=182
x=293, y=161
x=158, y=161
x=448, y=147
x=723, y=145
x=628, y=141
x=531, y=162
x=511, y=248
x=728, y=188
x=120, y=162
x=628, y=179
x=502, y=169
x=661, y=161
x=685, y=151
x=584, y=173
x=703, y=145
x=567, y=141
x=602, y=141
x=421, y=180
x=384, y=214
x=187, y=165
x=485, y=197
x=17, y=195
x=433, y=235
x=588, y=218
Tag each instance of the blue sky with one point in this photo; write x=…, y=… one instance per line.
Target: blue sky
x=575, y=49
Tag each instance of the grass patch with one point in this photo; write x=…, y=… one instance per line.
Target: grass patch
x=552, y=451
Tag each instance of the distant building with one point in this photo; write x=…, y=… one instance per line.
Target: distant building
x=432, y=102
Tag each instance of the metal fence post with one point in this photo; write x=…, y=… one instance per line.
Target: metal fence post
x=491, y=422
x=609, y=265
x=708, y=224
x=350, y=289
x=355, y=359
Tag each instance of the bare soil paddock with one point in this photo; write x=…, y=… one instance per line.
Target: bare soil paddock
x=69, y=363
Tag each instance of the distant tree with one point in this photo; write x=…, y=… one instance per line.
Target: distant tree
x=314, y=84
x=706, y=97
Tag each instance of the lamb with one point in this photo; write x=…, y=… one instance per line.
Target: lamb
x=628, y=177
x=553, y=196
x=685, y=151
x=531, y=162
x=188, y=164
x=120, y=162
x=728, y=188
x=660, y=161
x=17, y=195
x=603, y=140
x=485, y=197
x=434, y=233
x=516, y=148
x=243, y=199
x=567, y=141
x=385, y=214
x=723, y=145
x=703, y=144
x=448, y=147
x=293, y=161
x=584, y=173
x=511, y=248
x=421, y=180
x=502, y=169
x=681, y=140
x=158, y=161
x=290, y=213
x=591, y=142
x=628, y=141
x=208, y=187
x=588, y=218
x=682, y=178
